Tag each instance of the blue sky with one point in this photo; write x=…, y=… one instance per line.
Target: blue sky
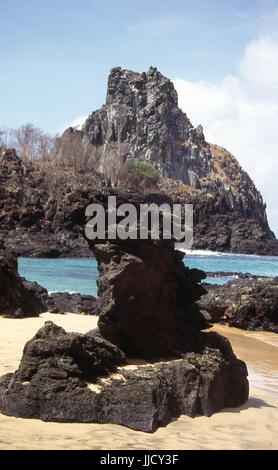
x=55, y=58
x=56, y=54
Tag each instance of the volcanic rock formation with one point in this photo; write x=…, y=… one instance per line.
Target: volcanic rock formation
x=147, y=297
x=32, y=210
x=250, y=304
x=141, y=121
x=147, y=310
x=69, y=377
x=62, y=302
x=18, y=298
x=21, y=298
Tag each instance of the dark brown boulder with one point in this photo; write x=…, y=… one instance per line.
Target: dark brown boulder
x=69, y=377
x=250, y=304
x=18, y=298
x=147, y=300
x=63, y=302
x=21, y=298
x=147, y=297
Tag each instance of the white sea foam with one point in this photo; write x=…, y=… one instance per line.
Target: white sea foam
x=59, y=292
x=219, y=253
x=205, y=253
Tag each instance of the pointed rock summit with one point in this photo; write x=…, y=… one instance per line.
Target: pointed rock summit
x=142, y=121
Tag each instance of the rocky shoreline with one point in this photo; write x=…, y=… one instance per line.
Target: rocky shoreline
x=20, y=298
x=247, y=302
x=152, y=357
x=233, y=274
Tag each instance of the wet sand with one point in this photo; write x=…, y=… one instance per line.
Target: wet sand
x=253, y=426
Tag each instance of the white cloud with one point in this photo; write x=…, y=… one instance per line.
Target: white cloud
x=241, y=114
x=77, y=123
x=260, y=64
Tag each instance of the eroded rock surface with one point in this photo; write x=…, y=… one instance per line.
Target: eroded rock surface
x=141, y=121
x=69, y=377
x=250, y=304
x=21, y=298
x=147, y=310
x=64, y=302
x=147, y=297
x=18, y=298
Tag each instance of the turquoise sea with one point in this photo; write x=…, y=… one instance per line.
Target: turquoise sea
x=80, y=274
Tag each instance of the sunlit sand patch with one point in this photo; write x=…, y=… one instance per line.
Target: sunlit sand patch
x=252, y=426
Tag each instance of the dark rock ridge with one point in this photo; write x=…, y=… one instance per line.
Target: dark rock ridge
x=20, y=298
x=141, y=120
x=147, y=310
x=244, y=303
x=69, y=377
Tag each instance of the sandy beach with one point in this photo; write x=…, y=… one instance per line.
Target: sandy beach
x=253, y=426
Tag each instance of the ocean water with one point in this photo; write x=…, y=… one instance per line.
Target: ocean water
x=213, y=261
x=80, y=274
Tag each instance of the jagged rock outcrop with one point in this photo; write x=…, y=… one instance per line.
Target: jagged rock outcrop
x=142, y=121
x=69, y=377
x=147, y=297
x=244, y=303
x=18, y=298
x=21, y=298
x=220, y=227
x=33, y=214
x=62, y=302
x=147, y=309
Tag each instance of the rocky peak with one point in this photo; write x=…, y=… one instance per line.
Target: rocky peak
x=132, y=88
x=141, y=121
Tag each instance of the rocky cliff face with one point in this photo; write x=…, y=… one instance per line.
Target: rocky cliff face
x=33, y=216
x=141, y=121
